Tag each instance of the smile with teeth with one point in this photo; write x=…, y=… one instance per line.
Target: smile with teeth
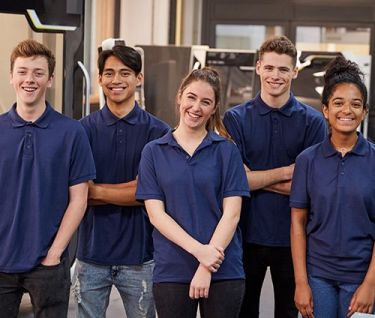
x=192, y=115
x=29, y=89
x=116, y=89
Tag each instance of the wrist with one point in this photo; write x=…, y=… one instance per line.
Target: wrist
x=194, y=250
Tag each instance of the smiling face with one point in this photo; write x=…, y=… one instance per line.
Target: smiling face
x=276, y=72
x=345, y=110
x=119, y=82
x=196, y=105
x=30, y=79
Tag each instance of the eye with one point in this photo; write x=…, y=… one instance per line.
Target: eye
x=21, y=72
x=357, y=105
x=39, y=74
x=125, y=74
x=206, y=103
x=284, y=70
x=107, y=74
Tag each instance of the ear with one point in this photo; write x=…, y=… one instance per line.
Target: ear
x=365, y=111
x=325, y=111
x=99, y=79
x=50, y=80
x=11, y=77
x=295, y=72
x=139, y=79
x=257, y=67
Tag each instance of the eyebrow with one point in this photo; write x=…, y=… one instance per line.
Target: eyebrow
x=205, y=98
x=341, y=98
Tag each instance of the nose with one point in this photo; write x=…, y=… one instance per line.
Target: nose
x=346, y=108
x=116, y=78
x=275, y=73
x=29, y=77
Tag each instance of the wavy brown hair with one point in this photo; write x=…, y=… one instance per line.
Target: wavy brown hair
x=211, y=77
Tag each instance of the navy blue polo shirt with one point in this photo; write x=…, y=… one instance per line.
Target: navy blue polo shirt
x=192, y=189
x=270, y=138
x=111, y=234
x=39, y=161
x=339, y=193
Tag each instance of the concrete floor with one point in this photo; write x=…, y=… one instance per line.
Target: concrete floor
x=116, y=309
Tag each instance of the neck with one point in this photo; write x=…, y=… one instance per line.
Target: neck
x=189, y=135
x=275, y=101
x=30, y=112
x=344, y=143
x=120, y=110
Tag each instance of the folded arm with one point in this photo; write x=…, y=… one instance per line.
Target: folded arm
x=276, y=180
x=122, y=194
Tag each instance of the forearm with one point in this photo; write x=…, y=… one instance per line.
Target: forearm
x=280, y=187
x=261, y=179
x=227, y=225
x=370, y=275
x=71, y=220
x=168, y=227
x=298, y=245
x=122, y=194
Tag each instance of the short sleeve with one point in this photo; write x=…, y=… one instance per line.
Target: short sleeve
x=299, y=197
x=235, y=181
x=233, y=128
x=147, y=183
x=82, y=166
x=317, y=131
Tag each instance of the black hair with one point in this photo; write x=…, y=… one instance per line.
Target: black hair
x=126, y=54
x=340, y=70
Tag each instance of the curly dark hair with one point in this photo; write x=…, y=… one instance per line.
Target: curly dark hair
x=340, y=70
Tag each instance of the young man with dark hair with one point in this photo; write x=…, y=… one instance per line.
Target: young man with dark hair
x=270, y=131
x=115, y=246
x=45, y=166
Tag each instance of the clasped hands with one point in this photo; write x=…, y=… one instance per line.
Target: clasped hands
x=210, y=258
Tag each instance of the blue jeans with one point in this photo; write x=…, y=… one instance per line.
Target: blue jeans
x=331, y=298
x=93, y=286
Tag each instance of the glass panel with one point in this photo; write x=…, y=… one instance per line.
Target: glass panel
x=247, y=37
x=334, y=39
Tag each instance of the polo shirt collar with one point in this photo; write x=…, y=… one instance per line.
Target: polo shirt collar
x=42, y=122
x=360, y=148
x=111, y=119
x=286, y=109
x=170, y=140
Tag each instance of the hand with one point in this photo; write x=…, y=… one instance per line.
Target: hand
x=304, y=300
x=50, y=260
x=209, y=256
x=363, y=299
x=200, y=284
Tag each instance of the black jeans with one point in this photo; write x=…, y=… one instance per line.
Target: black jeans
x=48, y=287
x=256, y=260
x=224, y=300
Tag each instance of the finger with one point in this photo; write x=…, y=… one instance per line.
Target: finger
x=196, y=293
x=212, y=269
x=206, y=292
x=201, y=292
x=191, y=292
